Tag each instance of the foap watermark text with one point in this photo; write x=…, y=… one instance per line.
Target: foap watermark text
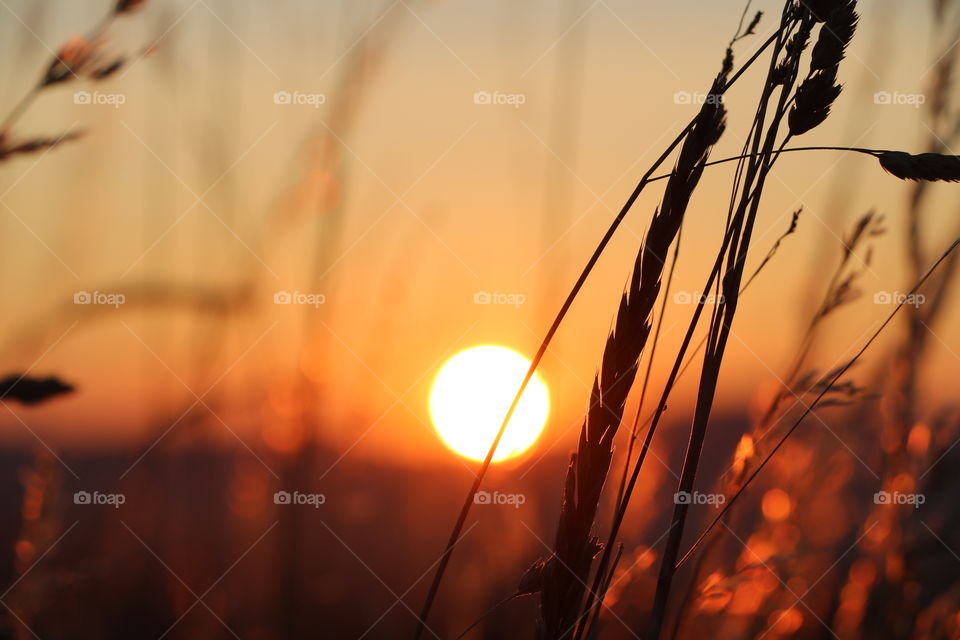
x=297, y=498
x=299, y=99
x=297, y=297
x=895, y=297
x=97, y=498
x=99, y=298
x=515, y=100
x=499, y=298
x=896, y=98
x=98, y=98
x=497, y=498
x=712, y=499
x=898, y=497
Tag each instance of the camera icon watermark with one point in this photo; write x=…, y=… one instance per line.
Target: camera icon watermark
x=498, y=298
x=899, y=498
x=99, y=298
x=895, y=98
x=299, y=98
x=297, y=498
x=712, y=499
x=497, y=498
x=97, y=98
x=515, y=100
x=309, y=299
x=99, y=499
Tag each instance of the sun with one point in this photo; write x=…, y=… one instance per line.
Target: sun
x=470, y=398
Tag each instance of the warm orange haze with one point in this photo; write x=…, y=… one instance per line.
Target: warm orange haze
x=280, y=274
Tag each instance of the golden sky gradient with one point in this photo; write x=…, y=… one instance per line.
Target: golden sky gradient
x=201, y=179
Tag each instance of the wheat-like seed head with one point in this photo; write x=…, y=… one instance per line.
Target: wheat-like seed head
x=819, y=9
x=815, y=97
x=933, y=167
x=835, y=35
x=563, y=576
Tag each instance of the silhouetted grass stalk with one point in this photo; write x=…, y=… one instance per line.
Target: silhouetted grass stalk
x=808, y=108
x=813, y=405
x=79, y=57
x=567, y=571
x=837, y=293
x=742, y=224
x=561, y=314
x=753, y=184
x=713, y=278
x=922, y=168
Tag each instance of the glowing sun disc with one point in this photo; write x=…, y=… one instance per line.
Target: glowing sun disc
x=470, y=398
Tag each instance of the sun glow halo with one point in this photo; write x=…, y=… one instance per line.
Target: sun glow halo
x=470, y=398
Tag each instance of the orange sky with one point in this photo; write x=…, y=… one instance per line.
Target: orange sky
x=441, y=199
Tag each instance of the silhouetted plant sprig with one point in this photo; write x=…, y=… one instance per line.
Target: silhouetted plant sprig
x=79, y=57
x=548, y=337
x=826, y=385
x=922, y=167
x=30, y=391
x=568, y=570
